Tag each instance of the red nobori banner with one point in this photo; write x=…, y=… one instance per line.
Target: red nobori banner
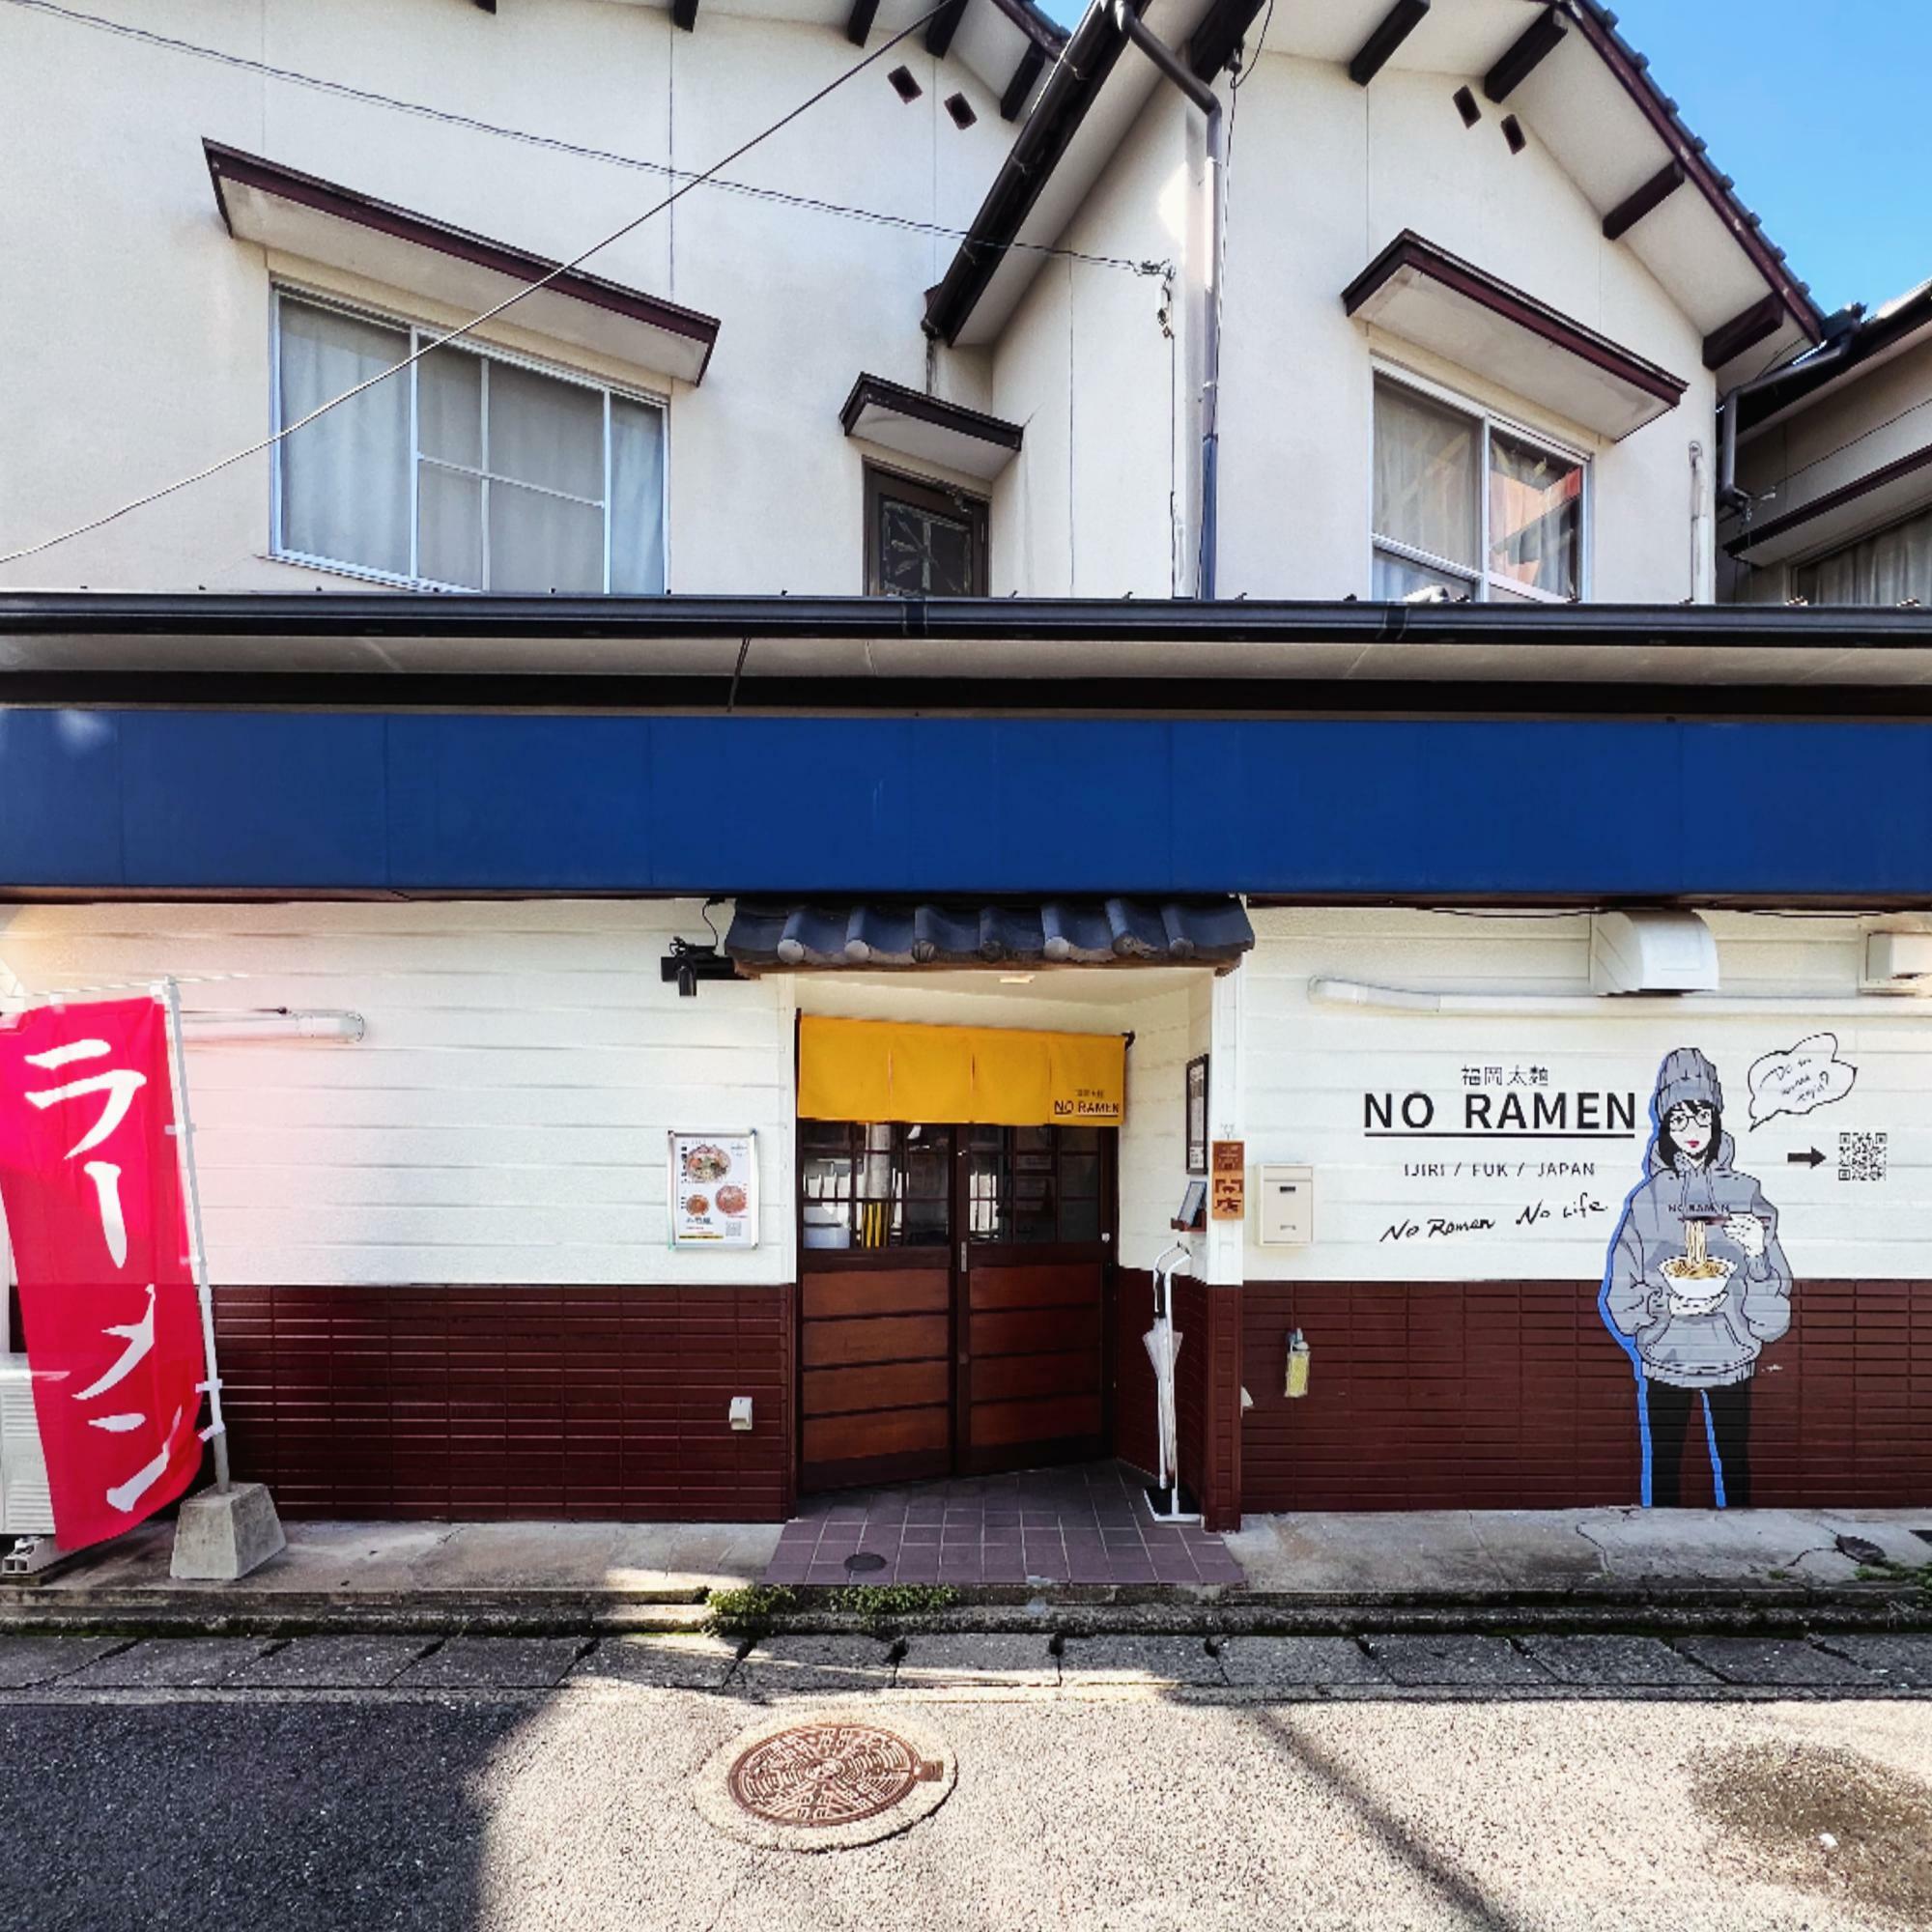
x=92, y=1186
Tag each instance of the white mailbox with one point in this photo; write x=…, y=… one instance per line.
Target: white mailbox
x=1286, y=1206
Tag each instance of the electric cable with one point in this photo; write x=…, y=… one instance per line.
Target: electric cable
x=553, y=143
x=475, y=322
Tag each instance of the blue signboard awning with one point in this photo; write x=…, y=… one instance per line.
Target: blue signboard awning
x=802, y=808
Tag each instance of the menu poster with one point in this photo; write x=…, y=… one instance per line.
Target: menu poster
x=714, y=1190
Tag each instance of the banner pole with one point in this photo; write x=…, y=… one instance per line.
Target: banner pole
x=217, y=1429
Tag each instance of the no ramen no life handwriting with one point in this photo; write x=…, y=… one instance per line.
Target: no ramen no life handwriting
x=1586, y=1113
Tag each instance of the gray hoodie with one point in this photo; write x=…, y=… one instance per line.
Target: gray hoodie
x=1696, y=1350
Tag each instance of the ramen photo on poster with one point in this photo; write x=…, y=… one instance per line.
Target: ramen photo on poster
x=714, y=1190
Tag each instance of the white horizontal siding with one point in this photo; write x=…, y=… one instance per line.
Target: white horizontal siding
x=1153, y=1139
x=1306, y=1069
x=504, y=1121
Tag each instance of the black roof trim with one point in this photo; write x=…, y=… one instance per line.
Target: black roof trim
x=1632, y=69
x=934, y=410
x=1874, y=335
x=226, y=164
x=1211, y=44
x=1036, y=25
x=1129, y=619
x=719, y=695
x=1059, y=108
x=1095, y=44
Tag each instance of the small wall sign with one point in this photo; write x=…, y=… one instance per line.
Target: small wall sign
x=1228, y=1183
x=714, y=1190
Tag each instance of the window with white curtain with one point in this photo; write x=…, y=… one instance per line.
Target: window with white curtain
x=1471, y=505
x=1893, y=566
x=468, y=471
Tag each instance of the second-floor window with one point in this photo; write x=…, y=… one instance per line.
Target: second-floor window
x=469, y=471
x=923, y=539
x=1471, y=505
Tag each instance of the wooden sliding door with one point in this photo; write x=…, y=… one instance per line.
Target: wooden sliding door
x=951, y=1305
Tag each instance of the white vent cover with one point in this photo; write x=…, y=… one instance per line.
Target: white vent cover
x=1651, y=951
x=1896, y=961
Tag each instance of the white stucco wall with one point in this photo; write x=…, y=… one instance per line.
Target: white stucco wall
x=1309, y=1069
x=1323, y=175
x=144, y=352
x=134, y=332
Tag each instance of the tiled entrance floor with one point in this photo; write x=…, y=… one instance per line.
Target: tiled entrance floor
x=1085, y=1524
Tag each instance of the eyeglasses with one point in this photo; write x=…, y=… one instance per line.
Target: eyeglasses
x=1689, y=1114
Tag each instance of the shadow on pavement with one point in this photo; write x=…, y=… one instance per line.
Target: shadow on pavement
x=246, y=1813
x=1436, y=1868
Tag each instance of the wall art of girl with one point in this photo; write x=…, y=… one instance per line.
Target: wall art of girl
x=1696, y=1286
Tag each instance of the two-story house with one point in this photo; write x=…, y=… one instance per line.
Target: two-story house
x=1099, y=629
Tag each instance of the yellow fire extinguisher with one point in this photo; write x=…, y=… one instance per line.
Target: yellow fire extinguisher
x=1298, y=1364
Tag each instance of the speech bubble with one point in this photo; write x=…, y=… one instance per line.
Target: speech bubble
x=1796, y=1079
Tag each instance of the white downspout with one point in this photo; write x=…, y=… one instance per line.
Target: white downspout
x=1703, y=550
x=1208, y=103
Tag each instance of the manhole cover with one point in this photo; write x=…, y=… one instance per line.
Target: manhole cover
x=864, y=1562
x=827, y=1775
x=832, y=1779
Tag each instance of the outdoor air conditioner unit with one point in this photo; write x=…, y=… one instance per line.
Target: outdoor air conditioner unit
x=1652, y=951
x=26, y=1505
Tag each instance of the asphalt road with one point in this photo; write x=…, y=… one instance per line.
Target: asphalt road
x=1431, y=1782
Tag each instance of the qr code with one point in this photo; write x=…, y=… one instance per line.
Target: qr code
x=1861, y=1156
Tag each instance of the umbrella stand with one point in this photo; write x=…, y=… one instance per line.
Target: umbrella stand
x=1163, y=1347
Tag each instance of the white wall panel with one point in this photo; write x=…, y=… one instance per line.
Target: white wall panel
x=1309, y=1069
x=504, y=1121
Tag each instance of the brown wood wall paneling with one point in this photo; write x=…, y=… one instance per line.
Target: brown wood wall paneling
x=447, y=1402
x=1513, y=1395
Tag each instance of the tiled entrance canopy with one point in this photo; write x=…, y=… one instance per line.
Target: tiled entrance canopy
x=1045, y=932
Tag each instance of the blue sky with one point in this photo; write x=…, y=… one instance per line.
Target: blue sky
x=1820, y=111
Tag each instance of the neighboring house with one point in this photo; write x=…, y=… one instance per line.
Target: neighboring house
x=1833, y=467
x=820, y=564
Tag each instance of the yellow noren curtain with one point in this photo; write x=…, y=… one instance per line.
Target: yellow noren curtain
x=892, y=1070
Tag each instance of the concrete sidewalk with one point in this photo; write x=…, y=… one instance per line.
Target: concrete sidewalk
x=1581, y=1569
x=435, y=1574
x=1533, y=1555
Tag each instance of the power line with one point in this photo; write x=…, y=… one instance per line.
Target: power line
x=555, y=144
x=475, y=322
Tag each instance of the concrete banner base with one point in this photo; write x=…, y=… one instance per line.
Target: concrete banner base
x=219, y=1537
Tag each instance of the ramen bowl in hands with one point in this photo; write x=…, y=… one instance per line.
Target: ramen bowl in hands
x=1696, y=1293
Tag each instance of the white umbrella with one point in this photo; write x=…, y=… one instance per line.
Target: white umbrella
x=1163, y=1346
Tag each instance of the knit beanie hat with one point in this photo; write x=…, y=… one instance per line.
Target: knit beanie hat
x=1687, y=1076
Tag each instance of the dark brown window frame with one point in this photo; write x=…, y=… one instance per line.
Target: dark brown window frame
x=924, y=493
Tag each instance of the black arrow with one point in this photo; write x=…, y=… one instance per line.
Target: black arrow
x=1811, y=1157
